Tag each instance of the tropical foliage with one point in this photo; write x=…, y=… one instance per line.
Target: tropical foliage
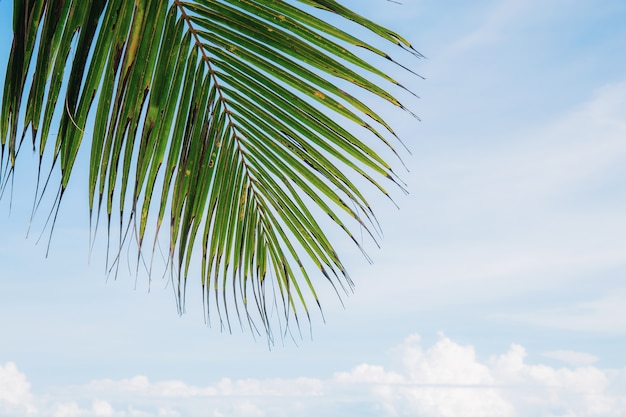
x=222, y=119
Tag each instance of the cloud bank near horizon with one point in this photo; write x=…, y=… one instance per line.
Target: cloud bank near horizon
x=446, y=379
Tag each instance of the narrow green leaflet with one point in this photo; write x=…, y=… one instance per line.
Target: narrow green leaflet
x=228, y=122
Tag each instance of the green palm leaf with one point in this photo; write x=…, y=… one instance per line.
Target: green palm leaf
x=227, y=112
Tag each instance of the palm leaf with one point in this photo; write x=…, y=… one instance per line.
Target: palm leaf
x=221, y=118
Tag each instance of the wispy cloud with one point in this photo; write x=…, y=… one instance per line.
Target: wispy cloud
x=493, y=26
x=571, y=357
x=605, y=314
x=530, y=213
x=539, y=162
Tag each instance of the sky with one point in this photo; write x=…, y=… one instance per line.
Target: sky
x=499, y=288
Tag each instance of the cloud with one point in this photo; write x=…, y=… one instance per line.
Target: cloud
x=494, y=25
x=447, y=379
x=606, y=314
x=571, y=357
x=15, y=396
x=142, y=386
x=536, y=212
x=67, y=410
x=536, y=165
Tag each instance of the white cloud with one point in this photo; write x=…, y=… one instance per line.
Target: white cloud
x=98, y=408
x=447, y=379
x=226, y=387
x=67, y=410
x=15, y=395
x=540, y=389
x=163, y=412
x=102, y=409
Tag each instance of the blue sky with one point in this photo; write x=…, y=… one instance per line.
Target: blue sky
x=498, y=291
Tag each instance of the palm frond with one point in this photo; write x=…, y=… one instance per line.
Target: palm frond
x=221, y=118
